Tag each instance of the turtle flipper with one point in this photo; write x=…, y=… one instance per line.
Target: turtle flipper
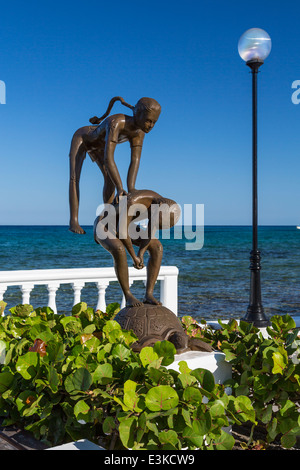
x=196, y=344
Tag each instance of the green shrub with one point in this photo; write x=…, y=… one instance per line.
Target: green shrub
x=266, y=370
x=66, y=378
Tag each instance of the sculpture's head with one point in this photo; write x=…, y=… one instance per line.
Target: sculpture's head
x=146, y=112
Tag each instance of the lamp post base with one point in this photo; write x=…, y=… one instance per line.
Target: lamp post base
x=257, y=317
x=255, y=312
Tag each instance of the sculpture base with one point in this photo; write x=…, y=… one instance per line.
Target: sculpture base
x=152, y=323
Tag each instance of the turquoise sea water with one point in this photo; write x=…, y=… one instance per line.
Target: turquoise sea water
x=213, y=282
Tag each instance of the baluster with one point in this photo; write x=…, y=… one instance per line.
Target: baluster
x=77, y=286
x=52, y=288
x=3, y=288
x=26, y=289
x=123, y=303
x=102, y=286
x=169, y=293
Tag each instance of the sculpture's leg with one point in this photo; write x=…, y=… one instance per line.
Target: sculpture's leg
x=76, y=161
x=155, y=251
x=118, y=252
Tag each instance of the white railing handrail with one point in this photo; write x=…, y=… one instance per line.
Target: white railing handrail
x=40, y=275
x=53, y=278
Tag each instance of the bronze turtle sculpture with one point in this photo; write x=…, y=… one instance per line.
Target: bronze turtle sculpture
x=152, y=323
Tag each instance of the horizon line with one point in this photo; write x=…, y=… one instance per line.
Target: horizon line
x=178, y=225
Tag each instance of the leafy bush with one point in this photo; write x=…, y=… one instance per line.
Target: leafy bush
x=267, y=370
x=66, y=378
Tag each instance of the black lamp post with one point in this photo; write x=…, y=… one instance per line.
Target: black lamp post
x=254, y=46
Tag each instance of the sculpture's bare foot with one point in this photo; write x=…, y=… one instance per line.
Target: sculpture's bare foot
x=150, y=299
x=75, y=228
x=132, y=301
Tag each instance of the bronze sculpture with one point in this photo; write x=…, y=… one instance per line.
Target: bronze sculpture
x=115, y=229
x=100, y=140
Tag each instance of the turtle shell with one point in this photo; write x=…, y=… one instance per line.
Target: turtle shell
x=152, y=323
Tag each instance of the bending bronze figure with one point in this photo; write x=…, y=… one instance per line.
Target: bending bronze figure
x=115, y=228
x=100, y=140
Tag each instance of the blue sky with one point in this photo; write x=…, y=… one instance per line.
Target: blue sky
x=63, y=61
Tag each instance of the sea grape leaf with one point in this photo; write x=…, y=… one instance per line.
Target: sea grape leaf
x=92, y=343
x=2, y=306
x=39, y=347
x=127, y=429
x=22, y=310
x=6, y=379
x=53, y=378
x=203, y=422
x=225, y=441
x=205, y=378
x=161, y=398
x=81, y=411
x=121, y=352
x=280, y=360
x=166, y=350
x=108, y=425
x=186, y=380
x=192, y=395
x=183, y=367
x=147, y=356
x=113, y=308
x=283, y=323
x=191, y=435
x=168, y=437
x=41, y=331
x=25, y=400
x=79, y=380
x=244, y=408
x=132, y=400
x=110, y=326
x=71, y=325
x=103, y=374
x=78, y=308
x=26, y=365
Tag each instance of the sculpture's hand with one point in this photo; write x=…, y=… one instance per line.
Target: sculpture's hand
x=137, y=262
x=120, y=192
x=95, y=120
x=140, y=255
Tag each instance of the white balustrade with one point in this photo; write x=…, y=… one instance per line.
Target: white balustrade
x=2, y=291
x=54, y=278
x=101, y=305
x=26, y=288
x=52, y=288
x=77, y=286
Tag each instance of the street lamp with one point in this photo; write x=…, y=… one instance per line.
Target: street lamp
x=254, y=47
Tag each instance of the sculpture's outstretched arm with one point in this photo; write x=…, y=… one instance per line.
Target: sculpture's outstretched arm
x=129, y=247
x=136, y=152
x=112, y=167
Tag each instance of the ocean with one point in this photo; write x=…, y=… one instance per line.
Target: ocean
x=213, y=282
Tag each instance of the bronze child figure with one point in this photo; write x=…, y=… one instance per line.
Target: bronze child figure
x=100, y=140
